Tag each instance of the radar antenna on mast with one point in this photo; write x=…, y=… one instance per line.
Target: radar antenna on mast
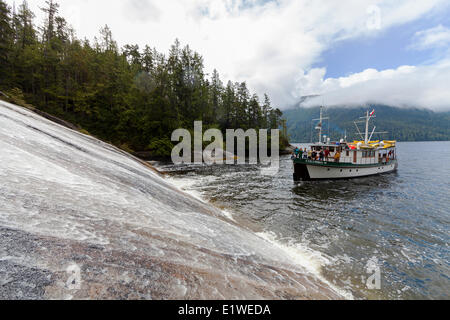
x=366, y=120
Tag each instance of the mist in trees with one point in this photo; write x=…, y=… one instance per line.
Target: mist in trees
x=132, y=97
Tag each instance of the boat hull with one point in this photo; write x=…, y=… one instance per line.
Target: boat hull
x=307, y=171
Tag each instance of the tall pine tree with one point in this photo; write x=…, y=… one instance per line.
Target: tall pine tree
x=6, y=41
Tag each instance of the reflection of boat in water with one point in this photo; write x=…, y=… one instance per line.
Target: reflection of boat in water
x=344, y=160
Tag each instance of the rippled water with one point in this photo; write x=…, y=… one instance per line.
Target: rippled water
x=398, y=221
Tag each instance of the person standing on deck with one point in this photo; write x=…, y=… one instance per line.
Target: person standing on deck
x=337, y=156
x=327, y=153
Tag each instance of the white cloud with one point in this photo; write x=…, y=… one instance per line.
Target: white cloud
x=406, y=86
x=142, y=10
x=437, y=37
x=267, y=44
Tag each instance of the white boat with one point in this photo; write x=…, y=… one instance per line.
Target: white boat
x=345, y=160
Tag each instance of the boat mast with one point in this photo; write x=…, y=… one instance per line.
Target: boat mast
x=366, y=140
x=320, y=124
x=367, y=118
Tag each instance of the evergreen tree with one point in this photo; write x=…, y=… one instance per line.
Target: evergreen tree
x=51, y=10
x=6, y=41
x=266, y=109
x=254, y=113
x=25, y=34
x=216, y=94
x=242, y=105
x=228, y=103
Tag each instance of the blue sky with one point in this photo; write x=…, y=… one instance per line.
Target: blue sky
x=388, y=49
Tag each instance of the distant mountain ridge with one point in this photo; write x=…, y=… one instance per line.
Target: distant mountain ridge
x=403, y=124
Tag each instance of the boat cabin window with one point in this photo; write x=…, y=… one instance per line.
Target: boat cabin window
x=369, y=154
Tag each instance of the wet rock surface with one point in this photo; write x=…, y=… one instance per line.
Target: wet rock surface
x=80, y=219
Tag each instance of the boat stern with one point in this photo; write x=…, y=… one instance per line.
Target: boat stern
x=301, y=172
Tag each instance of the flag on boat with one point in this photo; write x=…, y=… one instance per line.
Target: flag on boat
x=372, y=113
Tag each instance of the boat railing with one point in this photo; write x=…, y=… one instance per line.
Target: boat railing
x=310, y=161
x=382, y=161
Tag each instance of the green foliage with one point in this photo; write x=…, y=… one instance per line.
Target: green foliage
x=161, y=147
x=126, y=148
x=284, y=143
x=84, y=131
x=15, y=95
x=131, y=97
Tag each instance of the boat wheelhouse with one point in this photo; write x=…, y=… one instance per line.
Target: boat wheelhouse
x=345, y=160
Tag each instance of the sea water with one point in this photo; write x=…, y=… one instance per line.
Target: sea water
x=394, y=226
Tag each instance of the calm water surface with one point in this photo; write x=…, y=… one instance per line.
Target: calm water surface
x=399, y=222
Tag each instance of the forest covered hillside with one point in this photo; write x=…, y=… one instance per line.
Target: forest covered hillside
x=403, y=124
x=130, y=96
